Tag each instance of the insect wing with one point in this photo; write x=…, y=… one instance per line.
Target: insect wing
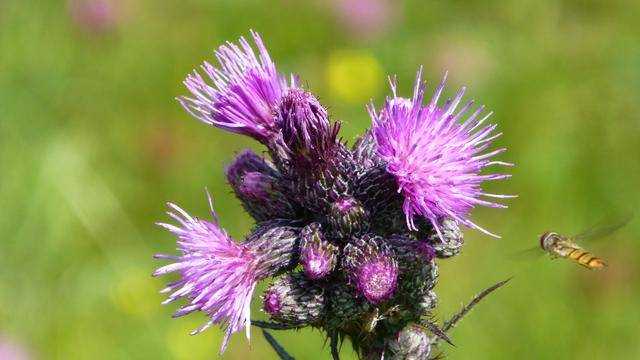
x=529, y=254
x=599, y=232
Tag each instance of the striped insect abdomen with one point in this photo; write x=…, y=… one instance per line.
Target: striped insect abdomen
x=586, y=259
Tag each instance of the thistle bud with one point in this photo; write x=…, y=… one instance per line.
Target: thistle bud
x=275, y=244
x=317, y=256
x=319, y=186
x=260, y=187
x=451, y=242
x=345, y=307
x=418, y=270
x=427, y=303
x=294, y=300
x=307, y=134
x=412, y=254
x=377, y=190
x=371, y=268
x=347, y=217
x=412, y=342
x=364, y=153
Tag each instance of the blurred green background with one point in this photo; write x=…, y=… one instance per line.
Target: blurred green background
x=92, y=144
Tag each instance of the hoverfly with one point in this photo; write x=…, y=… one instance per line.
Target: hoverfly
x=559, y=246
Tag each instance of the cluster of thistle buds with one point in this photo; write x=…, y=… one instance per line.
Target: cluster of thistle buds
x=348, y=235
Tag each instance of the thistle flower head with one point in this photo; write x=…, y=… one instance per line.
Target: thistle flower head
x=371, y=267
x=218, y=275
x=241, y=94
x=435, y=159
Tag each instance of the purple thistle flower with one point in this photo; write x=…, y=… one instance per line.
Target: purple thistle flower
x=218, y=275
x=368, y=223
x=244, y=90
x=371, y=267
x=436, y=160
x=317, y=256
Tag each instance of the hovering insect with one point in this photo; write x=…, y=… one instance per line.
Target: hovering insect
x=560, y=246
x=567, y=247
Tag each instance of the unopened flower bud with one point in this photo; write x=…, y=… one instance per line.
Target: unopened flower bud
x=411, y=343
x=326, y=181
x=294, y=300
x=412, y=254
x=347, y=217
x=451, y=242
x=428, y=302
x=418, y=270
x=307, y=134
x=371, y=268
x=260, y=187
x=364, y=153
x=345, y=307
x=317, y=256
x=275, y=244
x=377, y=190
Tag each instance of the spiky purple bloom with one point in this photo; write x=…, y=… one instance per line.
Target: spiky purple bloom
x=241, y=94
x=317, y=256
x=218, y=275
x=371, y=267
x=435, y=159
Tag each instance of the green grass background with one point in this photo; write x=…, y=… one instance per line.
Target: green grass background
x=92, y=145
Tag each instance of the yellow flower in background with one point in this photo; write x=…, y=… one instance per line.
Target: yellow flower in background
x=354, y=76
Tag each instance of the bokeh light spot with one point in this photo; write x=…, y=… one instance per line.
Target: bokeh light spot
x=354, y=76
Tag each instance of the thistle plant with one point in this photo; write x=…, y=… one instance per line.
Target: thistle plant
x=349, y=236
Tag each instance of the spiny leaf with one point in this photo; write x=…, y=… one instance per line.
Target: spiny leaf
x=277, y=347
x=474, y=301
x=436, y=331
x=335, y=351
x=271, y=326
